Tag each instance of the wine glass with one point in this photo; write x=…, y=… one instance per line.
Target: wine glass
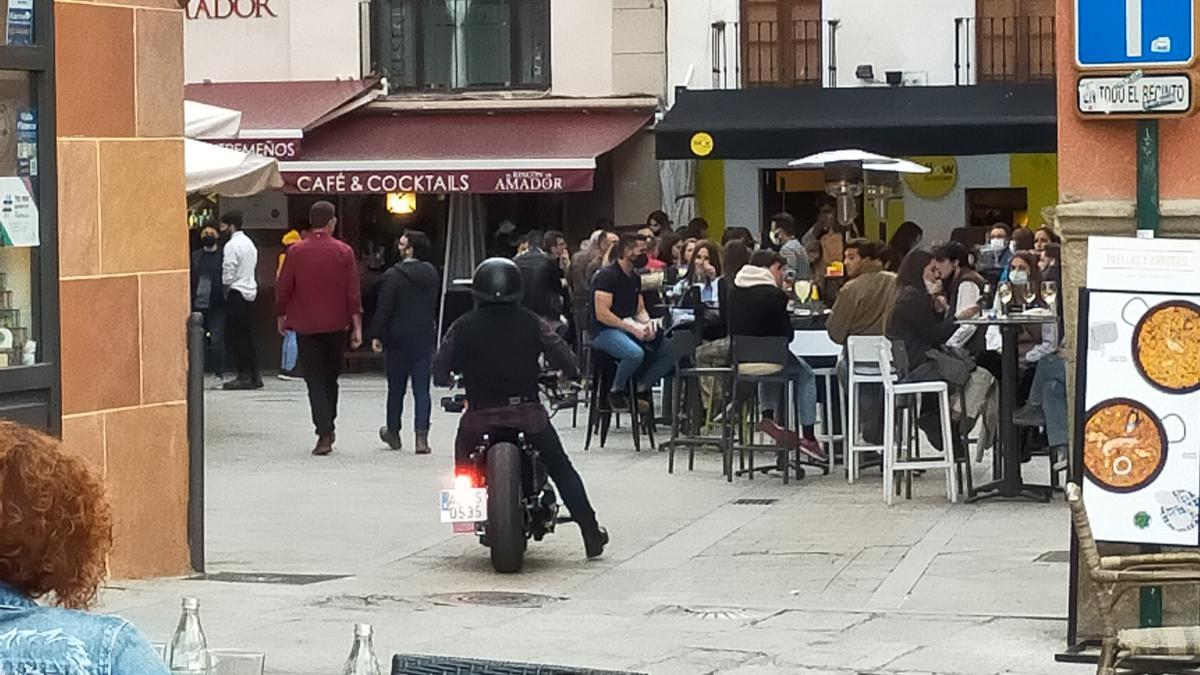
x=1005, y=293
x=1029, y=295
x=803, y=290
x=1050, y=294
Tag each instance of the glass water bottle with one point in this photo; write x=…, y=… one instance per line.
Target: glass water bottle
x=362, y=659
x=188, y=653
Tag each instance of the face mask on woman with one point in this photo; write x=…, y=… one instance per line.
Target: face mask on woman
x=1019, y=277
x=208, y=241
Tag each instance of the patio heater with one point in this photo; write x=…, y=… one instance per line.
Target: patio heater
x=850, y=173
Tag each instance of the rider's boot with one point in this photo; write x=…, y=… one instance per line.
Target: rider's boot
x=595, y=538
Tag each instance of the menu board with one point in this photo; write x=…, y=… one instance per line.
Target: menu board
x=1138, y=413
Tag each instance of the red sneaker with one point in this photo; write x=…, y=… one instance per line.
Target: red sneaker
x=784, y=438
x=813, y=449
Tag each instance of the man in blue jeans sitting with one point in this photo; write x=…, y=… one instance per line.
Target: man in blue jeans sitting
x=621, y=327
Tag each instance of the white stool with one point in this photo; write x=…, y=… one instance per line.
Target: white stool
x=892, y=391
x=825, y=423
x=862, y=367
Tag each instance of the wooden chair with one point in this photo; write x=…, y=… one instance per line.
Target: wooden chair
x=1113, y=576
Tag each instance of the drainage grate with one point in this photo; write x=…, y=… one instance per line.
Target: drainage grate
x=754, y=502
x=267, y=578
x=722, y=613
x=1054, y=557
x=413, y=664
x=497, y=599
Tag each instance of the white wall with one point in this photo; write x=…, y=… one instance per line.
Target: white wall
x=915, y=36
x=306, y=40
x=581, y=47
x=938, y=217
x=689, y=41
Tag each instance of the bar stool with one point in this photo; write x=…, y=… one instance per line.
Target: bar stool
x=600, y=414
x=826, y=426
x=862, y=367
x=892, y=393
x=758, y=360
x=685, y=396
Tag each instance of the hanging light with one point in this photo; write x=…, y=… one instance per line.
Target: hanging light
x=401, y=203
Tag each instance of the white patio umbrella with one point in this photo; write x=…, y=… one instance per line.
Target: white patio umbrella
x=869, y=161
x=213, y=169
x=201, y=120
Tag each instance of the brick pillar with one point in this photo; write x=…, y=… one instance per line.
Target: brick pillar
x=124, y=267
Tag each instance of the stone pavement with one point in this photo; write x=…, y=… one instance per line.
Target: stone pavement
x=823, y=580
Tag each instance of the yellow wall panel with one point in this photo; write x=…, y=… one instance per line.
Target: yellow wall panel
x=710, y=195
x=1038, y=174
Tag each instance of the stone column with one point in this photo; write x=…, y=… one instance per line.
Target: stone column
x=124, y=267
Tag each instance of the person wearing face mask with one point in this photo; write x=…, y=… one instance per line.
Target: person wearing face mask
x=404, y=330
x=207, y=298
x=1035, y=341
x=995, y=256
x=621, y=325
x=783, y=235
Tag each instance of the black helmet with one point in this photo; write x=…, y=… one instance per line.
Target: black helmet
x=497, y=281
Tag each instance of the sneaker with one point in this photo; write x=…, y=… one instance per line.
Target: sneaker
x=812, y=449
x=594, y=541
x=392, y=438
x=288, y=376
x=618, y=400
x=784, y=438
x=1029, y=416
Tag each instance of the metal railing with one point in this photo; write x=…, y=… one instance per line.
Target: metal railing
x=759, y=54
x=1004, y=49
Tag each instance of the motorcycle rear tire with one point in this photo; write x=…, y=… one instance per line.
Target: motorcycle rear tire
x=506, y=516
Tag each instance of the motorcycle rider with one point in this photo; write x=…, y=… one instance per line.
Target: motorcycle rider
x=497, y=348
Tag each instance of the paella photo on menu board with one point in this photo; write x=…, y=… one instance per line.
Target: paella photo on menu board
x=1139, y=437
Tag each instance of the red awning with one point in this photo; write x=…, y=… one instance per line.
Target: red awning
x=484, y=152
x=283, y=109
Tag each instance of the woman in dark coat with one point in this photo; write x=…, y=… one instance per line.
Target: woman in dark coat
x=405, y=331
x=919, y=318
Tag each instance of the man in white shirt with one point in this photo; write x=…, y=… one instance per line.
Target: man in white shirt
x=238, y=267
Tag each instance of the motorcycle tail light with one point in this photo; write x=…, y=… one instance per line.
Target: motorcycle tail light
x=464, y=481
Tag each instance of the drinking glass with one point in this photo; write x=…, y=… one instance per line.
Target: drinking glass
x=803, y=290
x=1029, y=295
x=1050, y=294
x=1005, y=293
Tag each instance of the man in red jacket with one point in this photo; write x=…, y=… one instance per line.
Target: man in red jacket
x=318, y=297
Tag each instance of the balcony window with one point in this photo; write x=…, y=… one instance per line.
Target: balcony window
x=454, y=45
x=1007, y=41
x=781, y=42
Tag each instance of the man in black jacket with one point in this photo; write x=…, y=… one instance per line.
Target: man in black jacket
x=405, y=330
x=497, y=348
x=542, y=279
x=758, y=307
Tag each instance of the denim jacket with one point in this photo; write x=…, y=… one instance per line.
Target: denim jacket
x=36, y=640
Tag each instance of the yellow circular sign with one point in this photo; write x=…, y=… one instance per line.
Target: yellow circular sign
x=702, y=144
x=939, y=182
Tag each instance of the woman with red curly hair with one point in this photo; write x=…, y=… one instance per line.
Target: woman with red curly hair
x=55, y=534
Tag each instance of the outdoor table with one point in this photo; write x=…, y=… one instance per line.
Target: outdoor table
x=1010, y=484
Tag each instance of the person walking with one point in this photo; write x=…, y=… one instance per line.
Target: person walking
x=238, y=264
x=290, y=352
x=208, y=298
x=404, y=330
x=319, y=297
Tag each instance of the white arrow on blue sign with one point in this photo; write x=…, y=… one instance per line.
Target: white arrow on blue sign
x=1134, y=33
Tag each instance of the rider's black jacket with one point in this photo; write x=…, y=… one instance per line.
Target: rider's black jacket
x=497, y=349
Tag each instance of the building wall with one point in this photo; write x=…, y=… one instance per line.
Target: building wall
x=124, y=267
x=636, y=188
x=639, y=47
x=305, y=40
x=689, y=42
x=581, y=45
x=1097, y=157
x=890, y=35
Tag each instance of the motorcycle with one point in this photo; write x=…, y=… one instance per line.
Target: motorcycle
x=503, y=495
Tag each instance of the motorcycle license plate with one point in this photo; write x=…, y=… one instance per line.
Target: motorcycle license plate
x=464, y=505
